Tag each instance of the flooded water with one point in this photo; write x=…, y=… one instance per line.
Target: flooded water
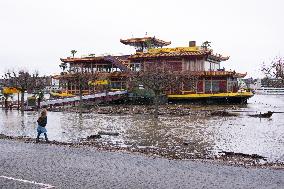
x=202, y=134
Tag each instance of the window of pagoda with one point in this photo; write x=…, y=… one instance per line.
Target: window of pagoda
x=215, y=85
x=232, y=84
x=211, y=65
x=135, y=66
x=193, y=64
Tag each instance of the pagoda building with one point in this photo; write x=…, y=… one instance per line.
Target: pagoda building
x=213, y=81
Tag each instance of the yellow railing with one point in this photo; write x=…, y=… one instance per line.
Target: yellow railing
x=238, y=94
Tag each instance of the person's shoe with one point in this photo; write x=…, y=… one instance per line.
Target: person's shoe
x=47, y=141
x=37, y=140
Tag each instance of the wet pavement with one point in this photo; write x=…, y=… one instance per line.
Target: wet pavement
x=29, y=165
x=197, y=135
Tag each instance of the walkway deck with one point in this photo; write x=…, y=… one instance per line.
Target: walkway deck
x=77, y=98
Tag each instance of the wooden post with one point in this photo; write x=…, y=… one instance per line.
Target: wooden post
x=71, y=84
x=203, y=85
x=211, y=85
x=227, y=84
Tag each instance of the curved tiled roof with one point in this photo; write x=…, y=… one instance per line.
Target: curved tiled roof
x=210, y=55
x=86, y=59
x=134, y=41
x=170, y=54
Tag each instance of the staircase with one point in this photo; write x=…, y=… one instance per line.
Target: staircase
x=118, y=63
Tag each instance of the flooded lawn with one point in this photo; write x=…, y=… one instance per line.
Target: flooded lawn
x=195, y=135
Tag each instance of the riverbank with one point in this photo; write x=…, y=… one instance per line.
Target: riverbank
x=166, y=109
x=224, y=158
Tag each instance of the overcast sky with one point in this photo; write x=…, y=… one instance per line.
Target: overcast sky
x=35, y=34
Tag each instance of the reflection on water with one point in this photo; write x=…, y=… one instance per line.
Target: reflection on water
x=201, y=134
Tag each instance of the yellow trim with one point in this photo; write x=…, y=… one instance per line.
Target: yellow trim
x=10, y=90
x=114, y=89
x=101, y=82
x=64, y=94
x=177, y=49
x=238, y=94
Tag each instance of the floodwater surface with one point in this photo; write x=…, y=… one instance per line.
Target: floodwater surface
x=195, y=134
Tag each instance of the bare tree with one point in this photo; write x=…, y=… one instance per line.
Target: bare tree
x=275, y=69
x=24, y=82
x=38, y=88
x=156, y=78
x=188, y=80
x=6, y=96
x=81, y=80
x=274, y=72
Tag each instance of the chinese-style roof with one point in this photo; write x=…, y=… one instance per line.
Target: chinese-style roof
x=120, y=62
x=179, y=53
x=218, y=57
x=139, y=41
x=164, y=54
x=79, y=60
x=98, y=59
x=98, y=74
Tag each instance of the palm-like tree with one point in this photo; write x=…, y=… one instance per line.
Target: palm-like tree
x=73, y=52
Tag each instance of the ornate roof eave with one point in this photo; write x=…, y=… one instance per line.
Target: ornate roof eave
x=134, y=41
x=98, y=74
x=218, y=57
x=86, y=59
x=216, y=73
x=241, y=75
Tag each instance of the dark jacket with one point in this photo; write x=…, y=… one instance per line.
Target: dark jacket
x=42, y=121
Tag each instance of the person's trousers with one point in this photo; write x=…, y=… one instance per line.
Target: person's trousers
x=45, y=136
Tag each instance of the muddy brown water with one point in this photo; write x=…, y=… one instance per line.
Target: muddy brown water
x=197, y=134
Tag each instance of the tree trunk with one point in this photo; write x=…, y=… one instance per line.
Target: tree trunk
x=81, y=99
x=106, y=99
x=6, y=102
x=22, y=100
x=156, y=103
x=38, y=103
x=18, y=105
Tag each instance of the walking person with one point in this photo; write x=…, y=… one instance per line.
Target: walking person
x=42, y=121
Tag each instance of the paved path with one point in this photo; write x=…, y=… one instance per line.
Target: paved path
x=28, y=165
